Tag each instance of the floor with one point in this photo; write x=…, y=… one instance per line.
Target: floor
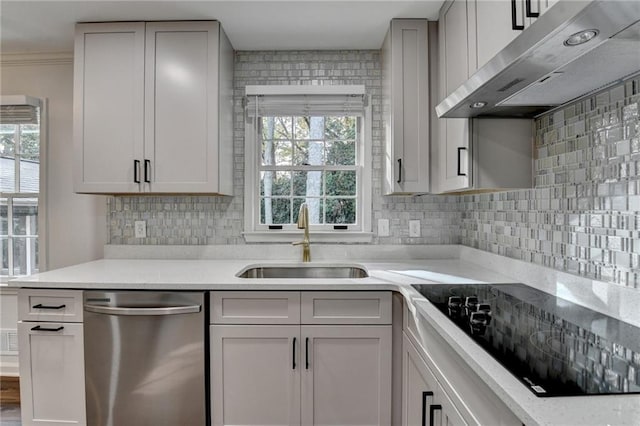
x=10, y=415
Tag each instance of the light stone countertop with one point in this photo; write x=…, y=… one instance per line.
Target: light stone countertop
x=389, y=269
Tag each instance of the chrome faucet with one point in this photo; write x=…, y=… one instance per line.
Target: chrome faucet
x=303, y=223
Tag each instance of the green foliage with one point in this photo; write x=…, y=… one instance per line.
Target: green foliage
x=308, y=141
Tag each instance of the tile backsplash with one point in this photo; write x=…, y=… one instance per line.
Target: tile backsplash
x=582, y=216
x=219, y=220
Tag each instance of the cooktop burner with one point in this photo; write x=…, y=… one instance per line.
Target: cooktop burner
x=555, y=347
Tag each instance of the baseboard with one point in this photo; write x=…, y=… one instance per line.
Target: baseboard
x=9, y=390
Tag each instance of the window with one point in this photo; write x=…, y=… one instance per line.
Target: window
x=307, y=144
x=20, y=147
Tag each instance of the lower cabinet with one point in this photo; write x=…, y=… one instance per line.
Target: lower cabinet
x=439, y=387
x=424, y=400
x=300, y=374
x=51, y=373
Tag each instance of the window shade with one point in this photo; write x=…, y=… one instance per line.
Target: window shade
x=18, y=114
x=304, y=105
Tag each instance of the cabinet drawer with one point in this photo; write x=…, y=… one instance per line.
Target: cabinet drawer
x=49, y=305
x=346, y=307
x=255, y=307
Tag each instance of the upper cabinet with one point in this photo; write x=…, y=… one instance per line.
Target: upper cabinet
x=405, y=75
x=481, y=153
x=153, y=108
x=497, y=23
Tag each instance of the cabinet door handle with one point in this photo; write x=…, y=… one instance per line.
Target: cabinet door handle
x=41, y=306
x=147, y=171
x=529, y=12
x=432, y=409
x=38, y=328
x=294, y=354
x=459, y=151
x=425, y=394
x=399, y=170
x=306, y=353
x=514, y=17
x=136, y=171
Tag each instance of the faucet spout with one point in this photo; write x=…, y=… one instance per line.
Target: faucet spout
x=303, y=223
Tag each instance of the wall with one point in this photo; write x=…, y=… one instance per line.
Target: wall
x=219, y=220
x=583, y=215
x=75, y=223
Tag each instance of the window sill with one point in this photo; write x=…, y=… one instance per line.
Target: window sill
x=315, y=237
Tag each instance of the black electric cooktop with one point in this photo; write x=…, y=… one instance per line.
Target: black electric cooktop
x=555, y=347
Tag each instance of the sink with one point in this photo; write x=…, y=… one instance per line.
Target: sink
x=303, y=271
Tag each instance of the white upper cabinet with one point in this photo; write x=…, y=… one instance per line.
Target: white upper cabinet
x=153, y=108
x=497, y=23
x=405, y=58
x=480, y=153
x=108, y=106
x=451, y=155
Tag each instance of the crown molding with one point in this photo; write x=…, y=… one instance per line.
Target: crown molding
x=36, y=58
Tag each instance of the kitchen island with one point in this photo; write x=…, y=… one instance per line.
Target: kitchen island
x=394, y=272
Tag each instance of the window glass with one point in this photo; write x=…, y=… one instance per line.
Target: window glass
x=19, y=189
x=308, y=159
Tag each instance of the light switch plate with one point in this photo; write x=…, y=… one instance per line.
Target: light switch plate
x=383, y=227
x=140, y=228
x=414, y=228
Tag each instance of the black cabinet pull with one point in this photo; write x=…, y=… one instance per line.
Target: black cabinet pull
x=306, y=353
x=399, y=170
x=514, y=18
x=294, y=353
x=136, y=171
x=529, y=12
x=38, y=328
x=147, y=171
x=432, y=408
x=41, y=306
x=425, y=394
x=460, y=150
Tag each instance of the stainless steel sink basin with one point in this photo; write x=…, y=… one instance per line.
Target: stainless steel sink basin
x=303, y=271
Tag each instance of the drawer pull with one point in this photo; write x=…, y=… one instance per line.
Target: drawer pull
x=38, y=328
x=41, y=306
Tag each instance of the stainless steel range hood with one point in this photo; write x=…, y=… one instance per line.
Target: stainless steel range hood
x=537, y=71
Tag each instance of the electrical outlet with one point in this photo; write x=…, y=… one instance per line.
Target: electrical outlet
x=140, y=228
x=414, y=228
x=383, y=227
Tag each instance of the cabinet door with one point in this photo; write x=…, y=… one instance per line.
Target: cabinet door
x=408, y=144
x=453, y=163
x=346, y=376
x=108, y=106
x=52, y=373
x=181, y=107
x=494, y=29
x=255, y=375
x=424, y=401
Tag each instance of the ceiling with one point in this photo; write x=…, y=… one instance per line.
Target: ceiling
x=28, y=26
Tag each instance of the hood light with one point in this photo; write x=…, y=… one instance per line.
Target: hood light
x=580, y=37
x=477, y=105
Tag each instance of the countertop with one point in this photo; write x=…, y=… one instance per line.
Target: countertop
x=396, y=273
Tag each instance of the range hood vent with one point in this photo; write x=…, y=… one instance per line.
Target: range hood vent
x=538, y=70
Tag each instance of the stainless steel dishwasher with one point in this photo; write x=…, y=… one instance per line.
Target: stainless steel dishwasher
x=145, y=358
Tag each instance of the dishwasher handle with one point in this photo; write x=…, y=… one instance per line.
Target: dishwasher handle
x=169, y=310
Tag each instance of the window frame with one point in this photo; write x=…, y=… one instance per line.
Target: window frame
x=40, y=195
x=358, y=233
